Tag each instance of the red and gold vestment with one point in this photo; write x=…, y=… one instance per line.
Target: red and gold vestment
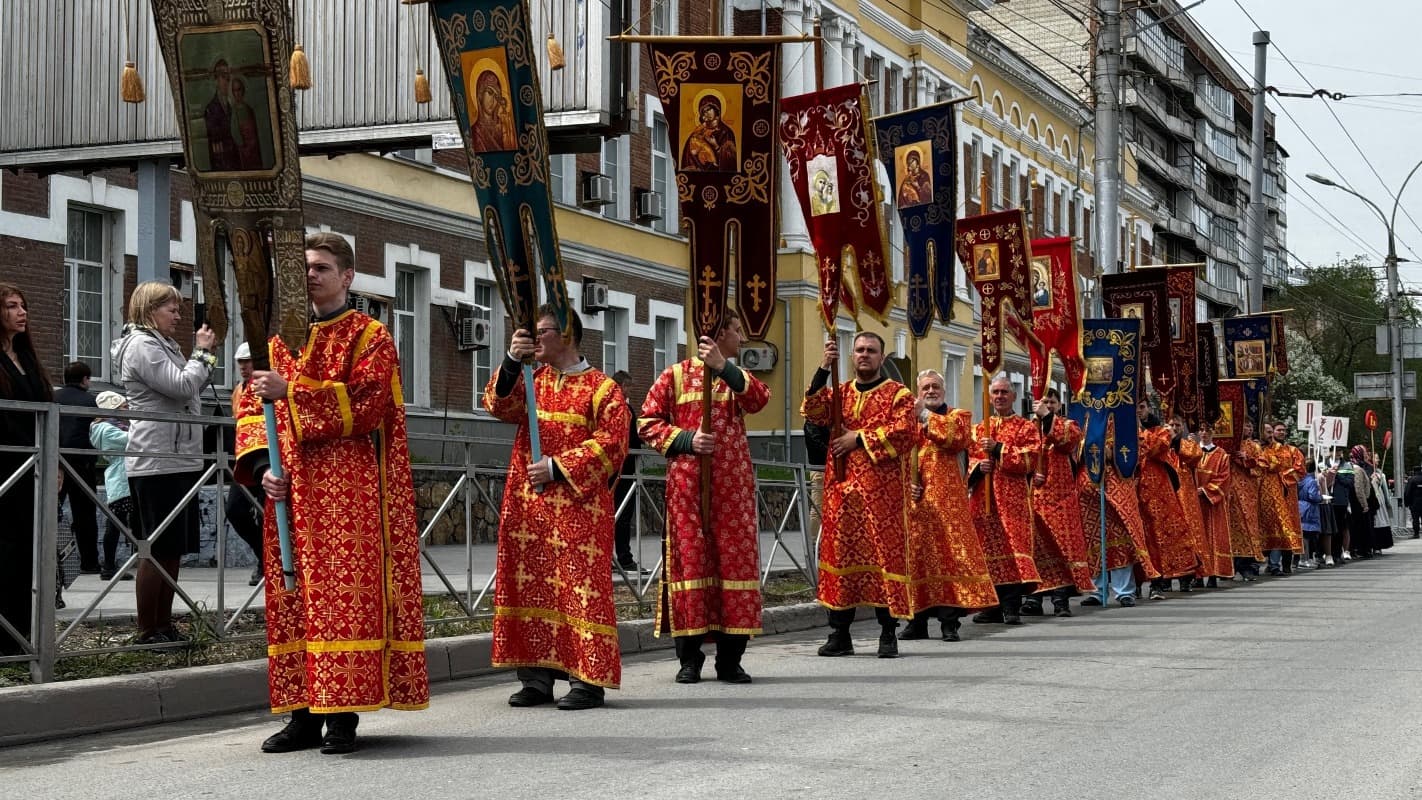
x=1125, y=532
x=707, y=584
x=1246, y=470
x=1059, y=543
x=1213, y=478
x=553, y=605
x=1006, y=527
x=350, y=637
x=1187, y=460
x=864, y=527
x=946, y=563
x=1166, y=531
x=1275, y=521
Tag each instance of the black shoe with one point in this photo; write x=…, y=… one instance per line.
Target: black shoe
x=888, y=644
x=1126, y=601
x=579, y=700
x=528, y=697
x=1198, y=583
x=950, y=630
x=303, y=732
x=1032, y=607
x=1212, y=583
x=629, y=567
x=689, y=673
x=1062, y=609
x=90, y=569
x=839, y=644
x=915, y=629
x=1091, y=600
x=988, y=617
x=1184, y=586
x=1011, y=619
x=340, y=735
x=732, y=675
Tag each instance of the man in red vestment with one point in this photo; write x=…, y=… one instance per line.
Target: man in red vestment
x=1185, y=455
x=1167, y=533
x=711, y=576
x=864, y=530
x=350, y=637
x=1001, y=464
x=1059, y=545
x=1213, y=479
x=554, y=616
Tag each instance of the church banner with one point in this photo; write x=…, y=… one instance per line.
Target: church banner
x=488, y=56
x=1056, y=314
x=1106, y=408
x=1281, y=348
x=995, y=249
x=1207, y=371
x=1184, y=397
x=1144, y=295
x=228, y=67
x=831, y=155
x=917, y=147
x=1229, y=426
x=1249, y=346
x=720, y=99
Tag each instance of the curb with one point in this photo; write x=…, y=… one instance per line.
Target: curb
x=72, y=708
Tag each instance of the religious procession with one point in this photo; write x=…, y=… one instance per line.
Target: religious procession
x=1143, y=459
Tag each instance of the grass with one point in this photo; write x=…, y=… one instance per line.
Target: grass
x=444, y=617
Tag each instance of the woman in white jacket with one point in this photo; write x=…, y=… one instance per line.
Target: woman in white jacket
x=157, y=377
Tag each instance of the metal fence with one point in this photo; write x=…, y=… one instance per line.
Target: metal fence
x=785, y=507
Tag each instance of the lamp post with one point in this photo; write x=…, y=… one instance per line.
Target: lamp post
x=1394, y=329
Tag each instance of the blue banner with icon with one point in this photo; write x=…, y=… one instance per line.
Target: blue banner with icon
x=1106, y=408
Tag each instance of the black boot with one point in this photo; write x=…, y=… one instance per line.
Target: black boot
x=1212, y=582
x=689, y=655
x=988, y=616
x=1031, y=607
x=729, y=649
x=340, y=733
x=1010, y=600
x=888, y=642
x=839, y=644
x=949, y=617
x=1184, y=585
x=917, y=628
x=1061, y=602
x=302, y=732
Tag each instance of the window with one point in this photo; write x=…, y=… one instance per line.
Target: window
x=995, y=171
x=975, y=169
x=1014, y=169
x=484, y=359
x=1049, y=215
x=893, y=90
x=664, y=346
x=663, y=17
x=84, y=306
x=612, y=167
x=403, y=329
x=614, y=340
x=663, y=175
x=562, y=170
x=846, y=354
x=952, y=379
x=873, y=73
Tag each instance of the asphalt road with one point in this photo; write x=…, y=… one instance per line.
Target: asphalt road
x=1298, y=688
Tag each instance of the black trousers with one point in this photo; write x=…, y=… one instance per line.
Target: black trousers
x=84, y=522
x=841, y=620
x=729, y=649
x=626, y=522
x=246, y=518
x=1340, y=526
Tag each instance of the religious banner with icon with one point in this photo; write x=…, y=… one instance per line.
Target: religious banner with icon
x=488, y=56
x=1229, y=426
x=830, y=151
x=227, y=65
x=1249, y=345
x=998, y=257
x=1143, y=295
x=1280, y=364
x=720, y=99
x=1184, y=397
x=916, y=147
x=1106, y=408
x=1207, y=372
x=1056, y=315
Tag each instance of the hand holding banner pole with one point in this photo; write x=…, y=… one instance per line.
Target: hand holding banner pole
x=283, y=519
x=530, y=399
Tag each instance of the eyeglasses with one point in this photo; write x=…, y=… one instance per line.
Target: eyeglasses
x=541, y=331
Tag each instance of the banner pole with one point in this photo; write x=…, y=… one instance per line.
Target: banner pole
x=1105, y=577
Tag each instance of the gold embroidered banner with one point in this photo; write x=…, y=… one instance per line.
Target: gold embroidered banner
x=720, y=99
x=227, y=64
x=830, y=151
x=1184, y=359
x=1056, y=315
x=995, y=249
x=1143, y=295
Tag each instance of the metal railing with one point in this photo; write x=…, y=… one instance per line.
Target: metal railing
x=784, y=509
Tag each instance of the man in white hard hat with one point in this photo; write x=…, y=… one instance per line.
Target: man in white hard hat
x=245, y=517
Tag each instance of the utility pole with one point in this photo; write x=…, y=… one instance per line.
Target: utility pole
x=1256, y=179
x=1394, y=340
x=1106, y=171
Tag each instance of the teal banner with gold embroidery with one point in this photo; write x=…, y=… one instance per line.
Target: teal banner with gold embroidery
x=1106, y=408
x=488, y=57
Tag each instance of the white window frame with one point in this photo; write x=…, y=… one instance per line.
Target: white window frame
x=615, y=324
x=414, y=322
x=563, y=178
x=493, y=354
x=98, y=360
x=615, y=169
x=844, y=337
x=664, y=343
x=952, y=379
x=666, y=10
x=669, y=223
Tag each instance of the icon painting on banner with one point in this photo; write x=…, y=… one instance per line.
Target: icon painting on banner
x=710, y=116
x=986, y=265
x=914, y=162
x=487, y=101
x=824, y=185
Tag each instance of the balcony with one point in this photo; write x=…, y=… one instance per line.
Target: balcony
x=1215, y=162
x=1216, y=206
x=1176, y=226
x=1143, y=100
x=1162, y=54
x=1156, y=163
x=1216, y=294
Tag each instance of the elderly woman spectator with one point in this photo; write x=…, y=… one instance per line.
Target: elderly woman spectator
x=158, y=378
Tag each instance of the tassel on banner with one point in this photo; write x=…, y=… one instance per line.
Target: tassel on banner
x=422, y=87
x=131, y=84
x=555, y=53
x=300, y=69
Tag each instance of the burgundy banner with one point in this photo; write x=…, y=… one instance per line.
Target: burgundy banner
x=1056, y=315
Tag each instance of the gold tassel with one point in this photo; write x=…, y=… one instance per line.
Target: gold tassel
x=131, y=84
x=422, y=87
x=555, y=53
x=300, y=69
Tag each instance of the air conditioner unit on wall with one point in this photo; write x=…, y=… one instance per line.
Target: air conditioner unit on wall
x=597, y=190
x=370, y=306
x=594, y=296
x=650, y=206
x=757, y=358
x=474, y=334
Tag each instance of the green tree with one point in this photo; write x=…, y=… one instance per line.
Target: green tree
x=1308, y=380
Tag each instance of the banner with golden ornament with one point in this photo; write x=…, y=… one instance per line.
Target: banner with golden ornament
x=995, y=249
x=1056, y=314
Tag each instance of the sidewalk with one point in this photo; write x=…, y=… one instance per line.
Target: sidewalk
x=467, y=570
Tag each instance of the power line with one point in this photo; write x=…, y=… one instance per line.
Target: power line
x=1341, y=227
x=1350, y=69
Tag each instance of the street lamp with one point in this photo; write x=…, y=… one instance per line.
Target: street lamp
x=1394, y=330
